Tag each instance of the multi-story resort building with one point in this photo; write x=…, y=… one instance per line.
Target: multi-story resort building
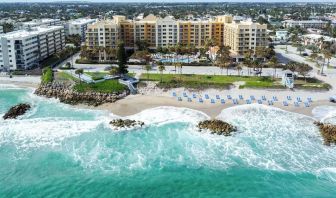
x=164, y=32
x=305, y=24
x=24, y=49
x=40, y=22
x=78, y=27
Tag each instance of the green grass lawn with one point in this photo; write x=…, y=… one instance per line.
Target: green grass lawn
x=63, y=76
x=96, y=75
x=311, y=83
x=210, y=81
x=107, y=86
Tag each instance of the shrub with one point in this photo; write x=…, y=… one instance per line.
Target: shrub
x=47, y=75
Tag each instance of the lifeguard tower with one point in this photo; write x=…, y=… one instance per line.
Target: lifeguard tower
x=288, y=79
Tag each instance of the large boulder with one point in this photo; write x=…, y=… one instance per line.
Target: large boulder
x=328, y=132
x=120, y=123
x=16, y=111
x=217, y=126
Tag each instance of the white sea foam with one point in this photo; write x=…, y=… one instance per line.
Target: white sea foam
x=325, y=113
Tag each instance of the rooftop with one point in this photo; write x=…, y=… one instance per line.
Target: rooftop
x=82, y=21
x=28, y=33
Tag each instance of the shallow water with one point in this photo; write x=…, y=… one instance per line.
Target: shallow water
x=59, y=151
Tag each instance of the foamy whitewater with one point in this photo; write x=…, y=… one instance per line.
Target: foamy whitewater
x=56, y=150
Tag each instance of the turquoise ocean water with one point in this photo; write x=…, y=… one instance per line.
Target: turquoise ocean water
x=59, y=151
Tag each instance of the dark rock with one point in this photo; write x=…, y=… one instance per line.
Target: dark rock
x=328, y=132
x=120, y=123
x=16, y=111
x=217, y=126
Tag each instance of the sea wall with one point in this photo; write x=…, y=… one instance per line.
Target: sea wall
x=66, y=94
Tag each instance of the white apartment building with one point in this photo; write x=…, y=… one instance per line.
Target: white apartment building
x=24, y=49
x=305, y=24
x=41, y=22
x=78, y=27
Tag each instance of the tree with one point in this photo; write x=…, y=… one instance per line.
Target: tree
x=161, y=69
x=223, y=59
x=300, y=48
x=79, y=72
x=142, y=45
x=113, y=71
x=68, y=65
x=248, y=60
x=148, y=68
x=238, y=68
x=122, y=59
x=303, y=69
x=274, y=63
x=327, y=55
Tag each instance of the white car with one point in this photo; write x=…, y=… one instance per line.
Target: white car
x=332, y=99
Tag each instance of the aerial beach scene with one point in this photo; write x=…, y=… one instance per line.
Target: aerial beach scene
x=167, y=99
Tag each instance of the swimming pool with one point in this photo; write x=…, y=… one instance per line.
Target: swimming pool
x=177, y=60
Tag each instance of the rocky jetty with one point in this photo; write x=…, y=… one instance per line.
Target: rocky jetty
x=16, y=111
x=66, y=94
x=217, y=126
x=120, y=123
x=328, y=132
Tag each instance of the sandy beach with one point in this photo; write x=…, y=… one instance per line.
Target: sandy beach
x=151, y=97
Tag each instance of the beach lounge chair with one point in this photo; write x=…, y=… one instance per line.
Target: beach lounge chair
x=206, y=96
x=296, y=104
x=222, y=101
x=263, y=98
x=252, y=97
x=235, y=101
x=270, y=102
x=200, y=100
x=194, y=96
x=298, y=99
x=185, y=94
x=189, y=100
x=229, y=97
x=306, y=104
x=289, y=98
x=213, y=101
x=179, y=99
x=309, y=99
x=174, y=94
x=285, y=103
x=248, y=102
x=217, y=97
x=259, y=101
x=241, y=97
x=275, y=98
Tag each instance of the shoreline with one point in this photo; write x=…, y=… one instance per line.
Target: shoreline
x=133, y=104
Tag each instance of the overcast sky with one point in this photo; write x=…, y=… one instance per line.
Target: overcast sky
x=316, y=1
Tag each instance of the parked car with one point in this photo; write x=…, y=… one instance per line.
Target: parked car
x=305, y=54
x=332, y=99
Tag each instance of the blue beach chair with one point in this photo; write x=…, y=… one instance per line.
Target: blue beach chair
x=306, y=104
x=296, y=104
x=275, y=98
x=309, y=99
x=189, y=100
x=252, y=97
x=185, y=94
x=206, y=96
x=289, y=98
x=259, y=101
x=174, y=94
x=285, y=103
x=229, y=97
x=270, y=102
x=213, y=101
x=298, y=99
x=222, y=101
x=263, y=98
x=194, y=96
x=241, y=97
x=217, y=97
x=179, y=99
x=235, y=101
x=200, y=100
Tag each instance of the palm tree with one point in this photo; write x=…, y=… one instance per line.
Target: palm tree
x=247, y=59
x=148, y=68
x=327, y=55
x=161, y=69
x=238, y=68
x=300, y=48
x=274, y=63
x=79, y=72
x=223, y=58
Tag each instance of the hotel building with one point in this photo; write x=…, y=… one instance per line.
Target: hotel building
x=164, y=32
x=24, y=49
x=40, y=22
x=78, y=27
